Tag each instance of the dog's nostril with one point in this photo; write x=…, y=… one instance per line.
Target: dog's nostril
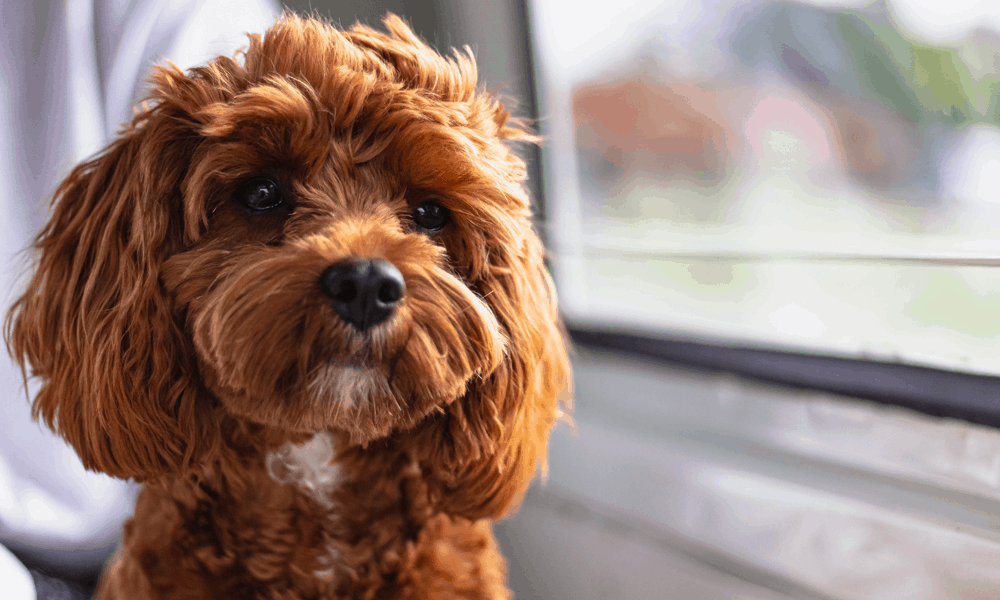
x=345, y=290
x=363, y=292
x=390, y=291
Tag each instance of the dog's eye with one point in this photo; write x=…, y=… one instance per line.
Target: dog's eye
x=260, y=194
x=431, y=216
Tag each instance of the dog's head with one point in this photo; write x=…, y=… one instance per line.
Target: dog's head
x=328, y=233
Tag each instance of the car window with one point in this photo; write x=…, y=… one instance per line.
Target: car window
x=814, y=177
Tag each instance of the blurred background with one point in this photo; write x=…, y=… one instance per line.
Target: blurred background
x=773, y=227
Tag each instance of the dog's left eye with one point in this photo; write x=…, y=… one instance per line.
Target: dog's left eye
x=260, y=194
x=431, y=216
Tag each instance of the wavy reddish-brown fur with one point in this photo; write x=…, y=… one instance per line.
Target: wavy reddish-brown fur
x=183, y=342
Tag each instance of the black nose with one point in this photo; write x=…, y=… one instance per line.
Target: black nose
x=364, y=292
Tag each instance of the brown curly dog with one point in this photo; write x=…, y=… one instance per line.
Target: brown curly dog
x=301, y=301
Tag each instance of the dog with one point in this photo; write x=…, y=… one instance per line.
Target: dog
x=300, y=299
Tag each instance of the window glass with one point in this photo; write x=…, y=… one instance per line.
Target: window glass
x=819, y=177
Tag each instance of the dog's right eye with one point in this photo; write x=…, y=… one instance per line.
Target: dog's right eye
x=431, y=216
x=260, y=194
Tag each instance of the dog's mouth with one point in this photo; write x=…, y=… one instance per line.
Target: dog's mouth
x=359, y=376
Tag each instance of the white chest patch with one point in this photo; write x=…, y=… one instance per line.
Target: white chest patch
x=309, y=465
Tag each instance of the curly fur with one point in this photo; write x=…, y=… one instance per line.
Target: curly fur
x=183, y=342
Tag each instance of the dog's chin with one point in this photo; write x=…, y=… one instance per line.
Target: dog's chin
x=358, y=403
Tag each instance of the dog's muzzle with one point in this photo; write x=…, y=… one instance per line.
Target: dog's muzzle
x=364, y=292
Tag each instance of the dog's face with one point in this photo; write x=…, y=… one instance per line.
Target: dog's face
x=353, y=227
x=332, y=234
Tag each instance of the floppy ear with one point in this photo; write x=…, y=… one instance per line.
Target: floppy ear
x=118, y=380
x=492, y=441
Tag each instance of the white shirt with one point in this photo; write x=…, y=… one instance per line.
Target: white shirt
x=70, y=73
